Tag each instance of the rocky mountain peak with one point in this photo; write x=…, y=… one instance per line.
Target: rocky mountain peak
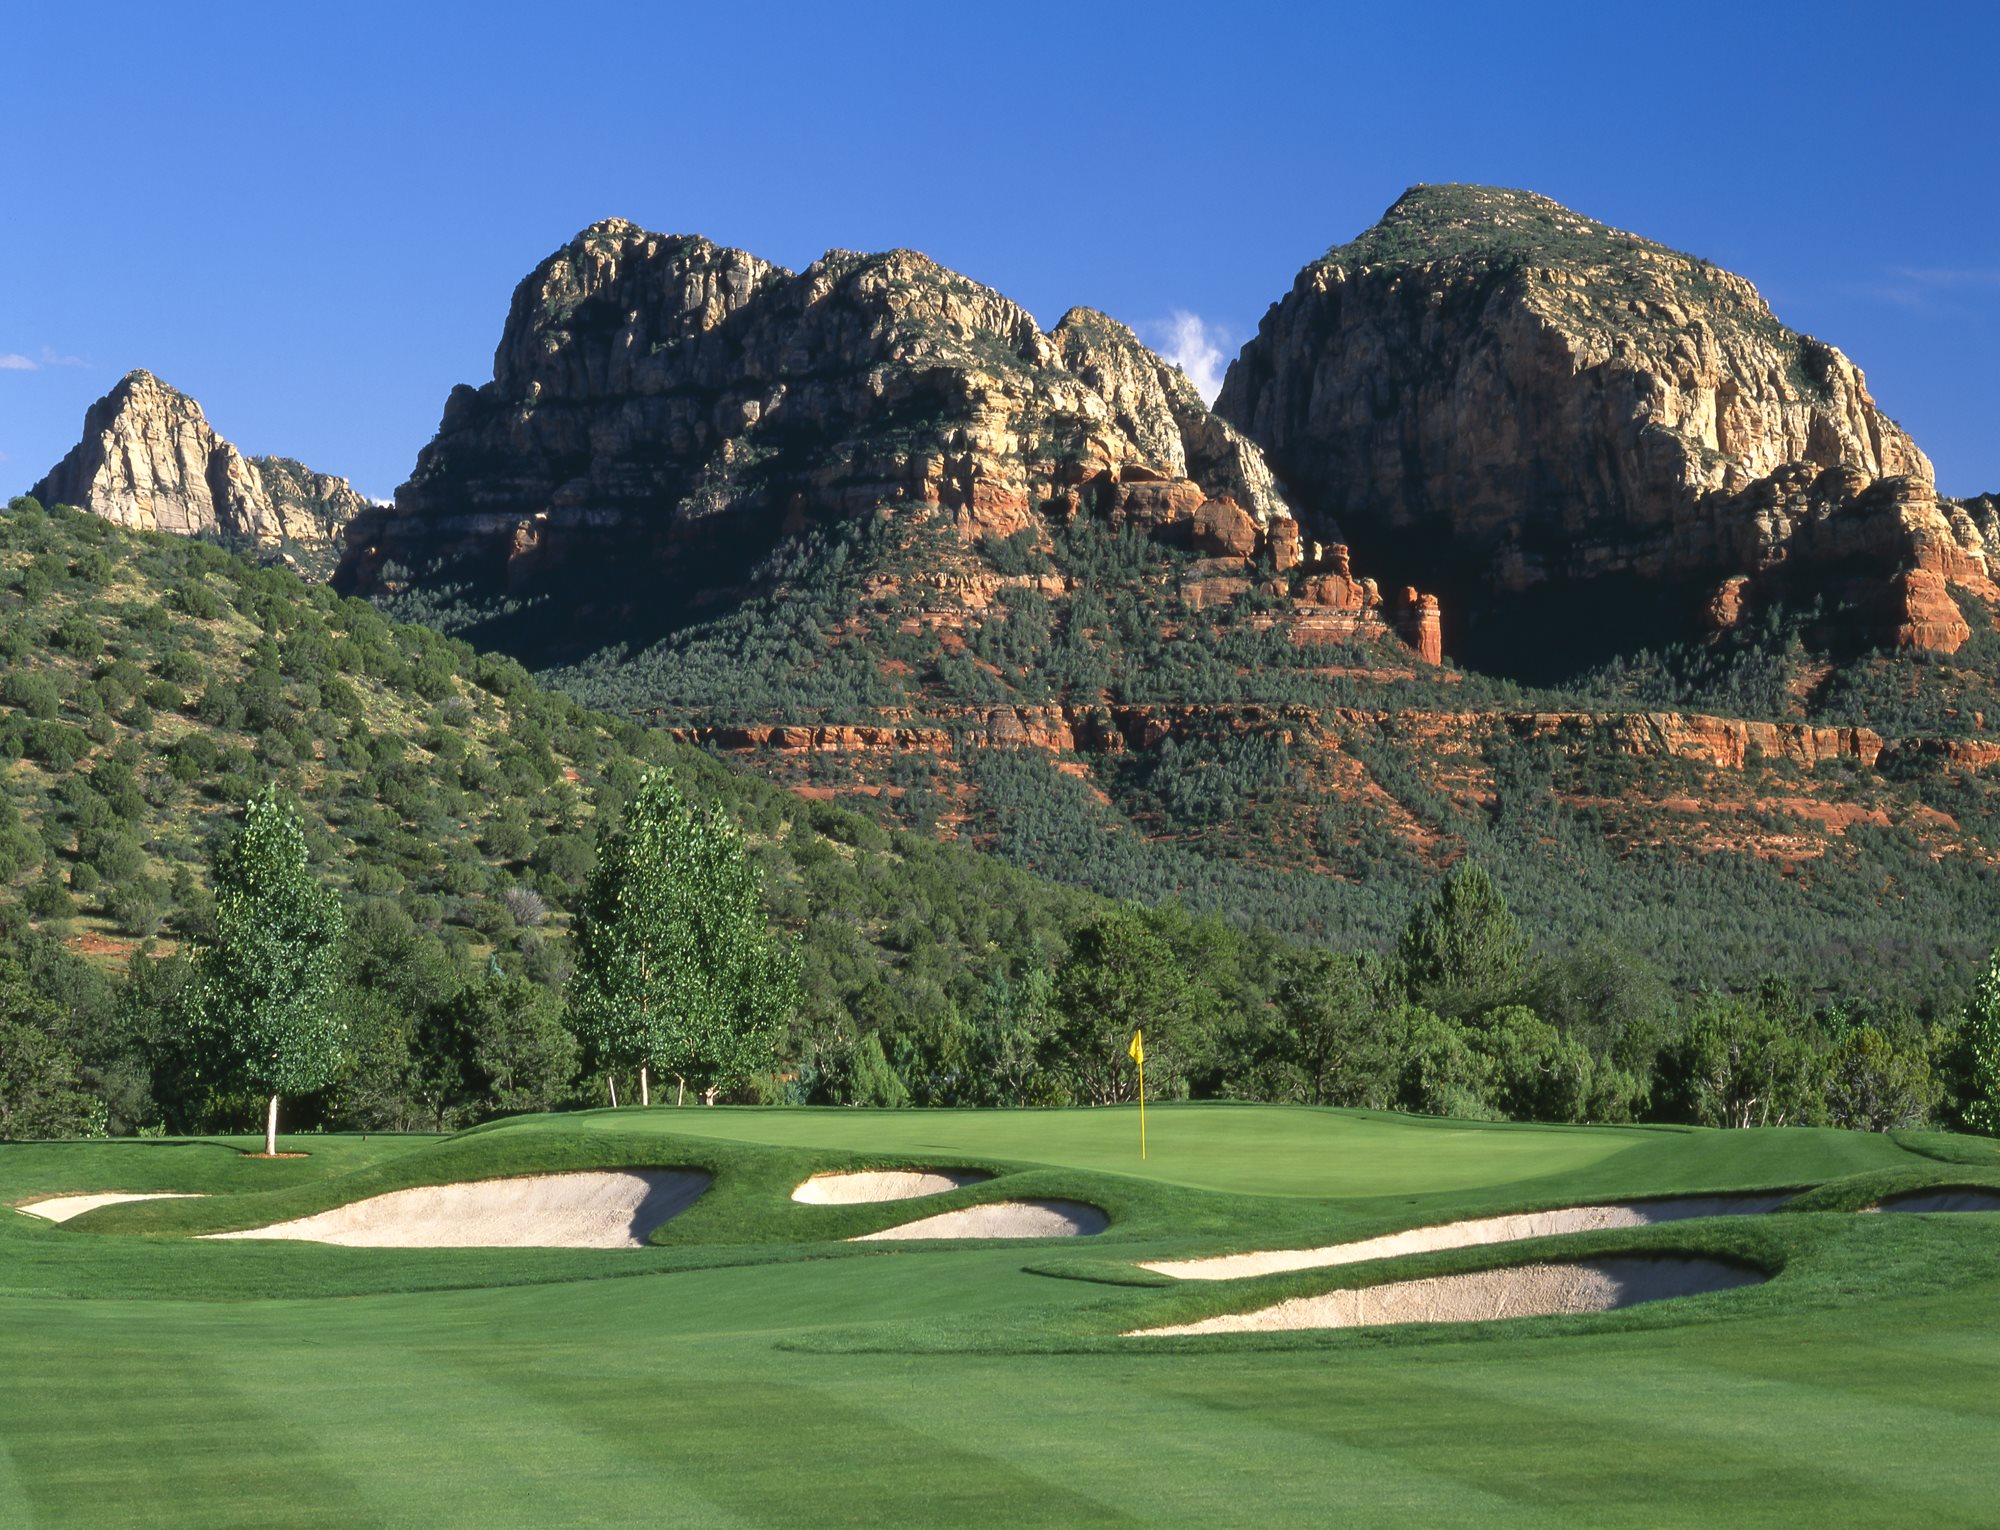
x=150, y=459
x=672, y=409
x=1543, y=402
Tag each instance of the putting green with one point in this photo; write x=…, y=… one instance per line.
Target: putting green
x=890, y=1385
x=1268, y=1149
x=1263, y=1150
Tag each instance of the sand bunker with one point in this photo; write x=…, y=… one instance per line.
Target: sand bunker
x=1509, y=1229
x=1003, y=1219
x=601, y=1209
x=1942, y=1200
x=62, y=1207
x=1484, y=1296
x=869, y=1185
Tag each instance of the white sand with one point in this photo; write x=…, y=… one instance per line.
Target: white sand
x=1509, y=1229
x=1003, y=1219
x=870, y=1185
x=600, y=1209
x=1531, y=1290
x=1942, y=1200
x=62, y=1207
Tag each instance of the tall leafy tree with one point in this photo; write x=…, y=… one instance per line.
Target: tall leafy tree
x=1325, y=1043
x=265, y=986
x=1123, y=976
x=1738, y=1065
x=1461, y=953
x=677, y=971
x=1982, y=1037
x=42, y=1091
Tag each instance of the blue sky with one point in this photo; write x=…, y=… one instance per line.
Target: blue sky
x=311, y=218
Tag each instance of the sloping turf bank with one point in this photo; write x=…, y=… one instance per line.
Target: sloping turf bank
x=1822, y=1262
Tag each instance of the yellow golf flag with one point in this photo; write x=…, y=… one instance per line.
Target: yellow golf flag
x=1138, y=1051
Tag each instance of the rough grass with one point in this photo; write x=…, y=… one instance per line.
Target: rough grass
x=759, y=1371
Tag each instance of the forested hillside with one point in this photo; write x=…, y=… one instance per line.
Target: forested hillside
x=1728, y=811
x=155, y=684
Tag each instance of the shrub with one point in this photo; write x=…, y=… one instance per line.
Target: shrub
x=78, y=634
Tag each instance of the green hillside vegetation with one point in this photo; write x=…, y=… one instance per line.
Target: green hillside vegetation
x=156, y=685
x=1253, y=810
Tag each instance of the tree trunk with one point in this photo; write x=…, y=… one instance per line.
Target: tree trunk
x=611, y=1083
x=680, y=1091
x=271, y=1129
x=645, y=1088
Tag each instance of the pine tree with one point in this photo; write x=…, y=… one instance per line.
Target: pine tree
x=677, y=971
x=1462, y=955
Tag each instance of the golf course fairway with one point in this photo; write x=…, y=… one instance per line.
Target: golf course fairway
x=752, y=1365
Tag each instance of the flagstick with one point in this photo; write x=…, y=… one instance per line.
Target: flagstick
x=1142, y=1108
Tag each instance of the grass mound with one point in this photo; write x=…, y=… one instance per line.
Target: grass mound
x=1477, y=1231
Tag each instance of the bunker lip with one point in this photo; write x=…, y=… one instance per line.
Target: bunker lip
x=1482, y=1296
x=1002, y=1219
x=1476, y=1231
x=599, y=1208
x=860, y=1187
x=1941, y=1198
x=60, y=1208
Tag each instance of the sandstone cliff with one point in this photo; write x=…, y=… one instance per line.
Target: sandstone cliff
x=1489, y=377
x=149, y=459
x=664, y=411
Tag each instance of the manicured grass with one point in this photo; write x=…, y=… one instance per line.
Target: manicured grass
x=148, y=1379
x=206, y=1165
x=1262, y=1150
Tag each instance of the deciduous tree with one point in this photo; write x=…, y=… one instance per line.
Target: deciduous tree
x=677, y=970
x=1982, y=1035
x=265, y=985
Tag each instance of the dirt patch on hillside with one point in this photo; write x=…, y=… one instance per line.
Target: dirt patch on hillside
x=1485, y=1296
x=866, y=1186
x=61, y=1208
x=1481, y=1230
x=615, y=1208
x=1003, y=1219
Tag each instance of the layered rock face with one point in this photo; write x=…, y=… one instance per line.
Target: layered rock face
x=149, y=459
x=1548, y=400
x=663, y=411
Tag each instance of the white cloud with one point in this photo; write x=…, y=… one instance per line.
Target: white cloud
x=1936, y=276
x=1194, y=346
x=14, y=361
x=1932, y=292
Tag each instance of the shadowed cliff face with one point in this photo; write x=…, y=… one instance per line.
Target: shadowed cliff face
x=1549, y=417
x=664, y=412
x=149, y=459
